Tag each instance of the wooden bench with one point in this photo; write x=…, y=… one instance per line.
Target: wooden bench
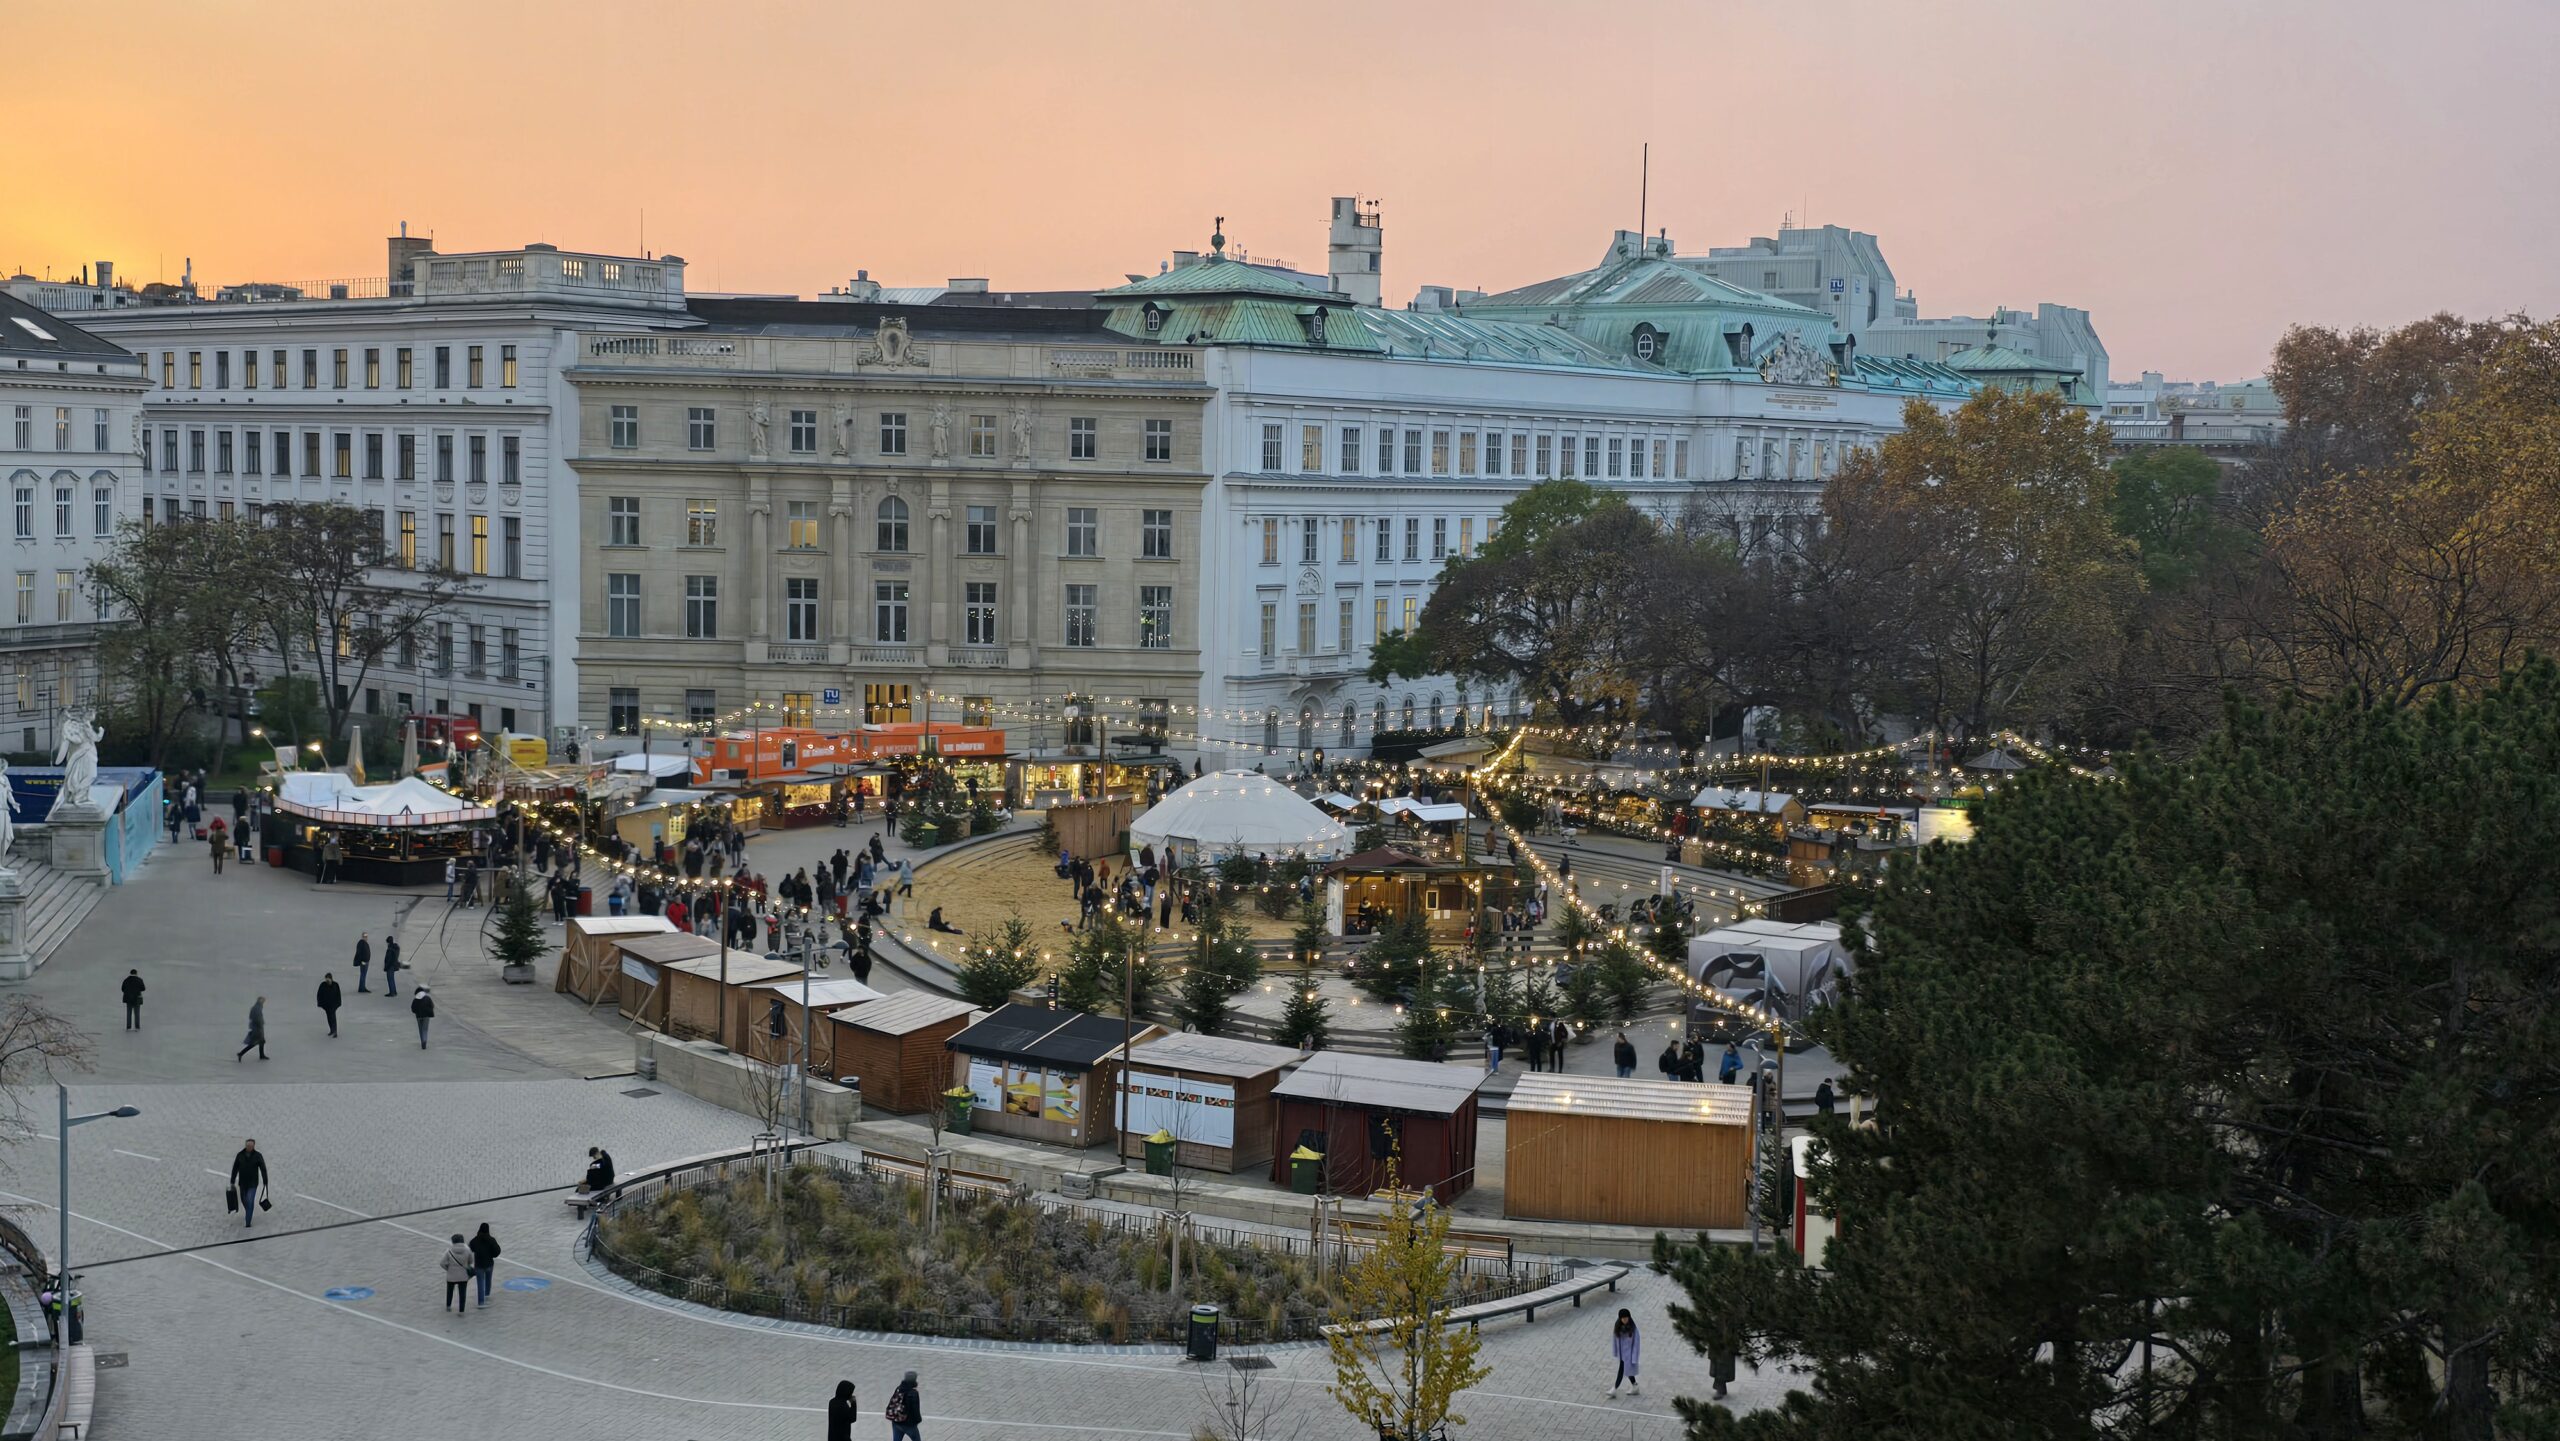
x=1489, y=1245
x=79, y=1381
x=1527, y=1304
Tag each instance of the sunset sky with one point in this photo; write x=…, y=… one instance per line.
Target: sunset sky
x=2197, y=175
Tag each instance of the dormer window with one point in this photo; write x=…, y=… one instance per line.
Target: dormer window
x=1648, y=343
x=1312, y=321
x=1152, y=316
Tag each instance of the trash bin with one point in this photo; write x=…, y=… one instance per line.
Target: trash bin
x=1203, y=1344
x=956, y=1104
x=586, y=900
x=1306, y=1171
x=275, y=855
x=1160, y=1154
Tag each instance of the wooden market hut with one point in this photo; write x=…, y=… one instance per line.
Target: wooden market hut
x=642, y=981
x=1626, y=1152
x=897, y=1045
x=1356, y=1111
x=1212, y=1093
x=1385, y=883
x=694, y=990
x=1770, y=810
x=1042, y=1074
x=751, y=1024
x=591, y=953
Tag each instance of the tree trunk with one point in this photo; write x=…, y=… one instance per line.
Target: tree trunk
x=2470, y=1404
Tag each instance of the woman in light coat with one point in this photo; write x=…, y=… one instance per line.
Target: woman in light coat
x=458, y=1266
x=1628, y=1348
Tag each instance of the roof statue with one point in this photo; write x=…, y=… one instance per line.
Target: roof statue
x=1792, y=362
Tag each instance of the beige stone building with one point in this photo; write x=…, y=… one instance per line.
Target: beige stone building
x=870, y=513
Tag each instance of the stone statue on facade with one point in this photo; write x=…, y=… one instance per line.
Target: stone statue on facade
x=77, y=753
x=1792, y=362
x=941, y=429
x=1741, y=458
x=759, y=422
x=844, y=433
x=8, y=815
x=1022, y=434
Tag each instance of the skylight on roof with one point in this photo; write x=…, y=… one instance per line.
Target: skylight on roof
x=31, y=328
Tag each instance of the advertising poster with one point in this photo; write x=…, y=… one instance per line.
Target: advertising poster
x=1022, y=1091
x=1063, y=1100
x=1200, y=1112
x=986, y=1084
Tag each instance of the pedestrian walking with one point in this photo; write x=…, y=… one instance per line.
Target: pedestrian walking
x=457, y=1275
x=133, y=999
x=1668, y=1063
x=484, y=1260
x=1720, y=1359
x=257, y=1030
x=905, y=1411
x=1537, y=1045
x=219, y=839
x=1824, y=1098
x=329, y=999
x=1730, y=1066
x=1624, y=1055
x=422, y=1006
x=364, y=960
x=1628, y=1348
x=391, y=967
x=248, y=1182
x=470, y=899
x=843, y=1409
x=1492, y=1049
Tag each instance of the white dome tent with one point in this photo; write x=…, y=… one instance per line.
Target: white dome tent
x=1238, y=813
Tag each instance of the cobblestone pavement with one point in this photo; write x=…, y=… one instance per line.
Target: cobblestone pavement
x=380, y=1151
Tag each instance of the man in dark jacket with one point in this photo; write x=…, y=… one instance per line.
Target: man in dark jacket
x=132, y=999
x=1537, y=1045
x=257, y=1030
x=599, y=1168
x=905, y=1411
x=422, y=1006
x=329, y=999
x=1668, y=1063
x=364, y=958
x=1624, y=1054
x=248, y=1178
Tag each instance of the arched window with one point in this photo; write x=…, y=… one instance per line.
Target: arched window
x=1377, y=718
x=1350, y=719
x=893, y=525
x=1435, y=710
x=1270, y=731
x=1307, y=727
x=1408, y=712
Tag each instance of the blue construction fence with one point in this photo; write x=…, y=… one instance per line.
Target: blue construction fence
x=132, y=830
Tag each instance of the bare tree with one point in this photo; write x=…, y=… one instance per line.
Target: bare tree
x=34, y=1039
x=1242, y=1407
x=345, y=605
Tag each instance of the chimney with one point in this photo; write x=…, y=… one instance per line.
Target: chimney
x=1354, y=248
x=106, y=272
x=404, y=252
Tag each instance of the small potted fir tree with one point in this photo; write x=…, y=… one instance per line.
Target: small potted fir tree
x=516, y=938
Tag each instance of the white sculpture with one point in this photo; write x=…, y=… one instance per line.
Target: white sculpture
x=8, y=814
x=1792, y=362
x=759, y=420
x=1022, y=432
x=77, y=753
x=844, y=432
x=941, y=429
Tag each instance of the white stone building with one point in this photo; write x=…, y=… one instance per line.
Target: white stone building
x=430, y=396
x=70, y=400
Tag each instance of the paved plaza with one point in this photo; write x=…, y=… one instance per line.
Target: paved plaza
x=323, y=1320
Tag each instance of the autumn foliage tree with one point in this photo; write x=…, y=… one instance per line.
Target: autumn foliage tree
x=1400, y=1377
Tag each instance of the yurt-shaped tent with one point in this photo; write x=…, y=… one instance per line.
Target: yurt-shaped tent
x=1238, y=813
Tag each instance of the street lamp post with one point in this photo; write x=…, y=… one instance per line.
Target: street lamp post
x=62, y=1172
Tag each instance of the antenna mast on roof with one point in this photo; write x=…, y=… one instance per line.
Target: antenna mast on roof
x=1644, y=192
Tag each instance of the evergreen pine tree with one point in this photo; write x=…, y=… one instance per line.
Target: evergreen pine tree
x=998, y=961
x=516, y=938
x=1307, y=1019
x=1219, y=965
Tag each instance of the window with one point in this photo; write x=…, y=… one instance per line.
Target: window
x=408, y=539
x=405, y=457
x=804, y=432
x=476, y=650
x=168, y=448
x=702, y=607
x=1617, y=448
x=1439, y=452
x=474, y=379
x=1413, y=537
x=1306, y=627
x=1351, y=450
x=1568, y=449
x=66, y=583
x=1081, y=437
x=701, y=707
x=978, y=612
x=1590, y=457
x=275, y=368
x=510, y=651
x=889, y=612
x=23, y=513
x=1159, y=440
x=62, y=427
x=1307, y=532
x=510, y=460
x=1520, y=454
x=26, y=597
x=342, y=451
x=622, y=715
x=404, y=367
x=893, y=525
x=1155, y=534
x=222, y=452
x=800, y=524
x=372, y=454
x=168, y=372
x=102, y=511
x=338, y=368
x=1270, y=633
x=444, y=458
x=1543, y=443
x=1350, y=539
x=195, y=450
x=800, y=608
x=701, y=521
x=1439, y=537
x=1271, y=540
x=1413, y=452
x=1271, y=447
x=887, y=704
x=1311, y=448
x=372, y=368
x=699, y=430
x=893, y=432
x=1155, y=617
x=1661, y=457
x=444, y=367
x=1155, y=716
x=195, y=369
x=1680, y=458
x=479, y=545
x=444, y=541
x=1083, y=531
x=622, y=604
x=1493, y=453
x=507, y=366
x=1345, y=607
x=1386, y=450
x=979, y=533
x=982, y=437
x=1466, y=535
x=478, y=455
x=622, y=520
x=626, y=427
x=1412, y=613
x=1386, y=538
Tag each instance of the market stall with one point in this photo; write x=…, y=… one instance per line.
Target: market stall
x=591, y=954
x=1042, y=1074
x=899, y=1047
x=1766, y=810
x=751, y=1023
x=400, y=834
x=1212, y=1094
x=1626, y=1152
x=1229, y=813
x=696, y=989
x=1437, y=830
x=644, y=960
x=1364, y=892
x=1358, y=1111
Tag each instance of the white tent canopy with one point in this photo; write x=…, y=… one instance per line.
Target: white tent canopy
x=1436, y=813
x=1782, y=967
x=1238, y=813
x=661, y=766
x=1719, y=798
x=333, y=797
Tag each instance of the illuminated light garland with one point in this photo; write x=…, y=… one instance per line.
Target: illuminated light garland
x=2052, y=758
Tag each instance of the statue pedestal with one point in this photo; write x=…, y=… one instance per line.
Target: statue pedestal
x=15, y=963
x=79, y=841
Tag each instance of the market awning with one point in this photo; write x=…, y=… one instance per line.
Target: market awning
x=335, y=799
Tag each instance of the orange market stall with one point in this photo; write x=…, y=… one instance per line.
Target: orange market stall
x=899, y=1047
x=706, y=994
x=751, y=1024
x=643, y=965
x=1626, y=1152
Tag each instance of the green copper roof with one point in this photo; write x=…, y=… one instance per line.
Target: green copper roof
x=1643, y=282
x=1215, y=276
x=2000, y=359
